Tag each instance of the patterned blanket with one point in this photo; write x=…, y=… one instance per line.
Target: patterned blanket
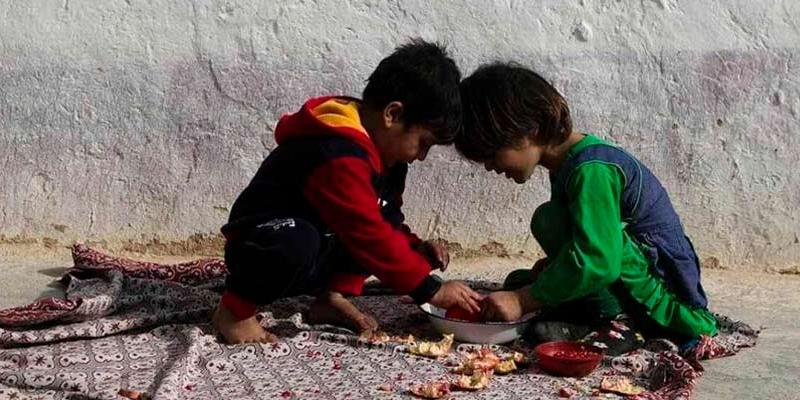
x=138, y=330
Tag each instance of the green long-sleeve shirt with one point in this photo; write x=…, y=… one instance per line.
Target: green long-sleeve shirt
x=599, y=252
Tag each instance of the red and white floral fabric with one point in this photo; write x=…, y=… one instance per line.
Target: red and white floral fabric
x=131, y=329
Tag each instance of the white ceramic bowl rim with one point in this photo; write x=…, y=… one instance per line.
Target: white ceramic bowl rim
x=525, y=318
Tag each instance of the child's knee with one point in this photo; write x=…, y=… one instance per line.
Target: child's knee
x=297, y=243
x=285, y=241
x=273, y=253
x=550, y=227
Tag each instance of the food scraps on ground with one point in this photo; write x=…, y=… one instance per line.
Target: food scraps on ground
x=477, y=368
x=378, y=337
x=519, y=358
x=620, y=385
x=431, y=389
x=567, y=392
x=133, y=394
x=505, y=367
x=477, y=381
x=386, y=387
x=432, y=349
x=481, y=360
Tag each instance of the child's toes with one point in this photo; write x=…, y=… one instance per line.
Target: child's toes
x=269, y=338
x=266, y=338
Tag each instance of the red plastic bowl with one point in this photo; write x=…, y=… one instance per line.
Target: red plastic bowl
x=568, y=358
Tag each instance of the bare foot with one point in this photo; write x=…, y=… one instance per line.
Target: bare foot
x=333, y=308
x=236, y=331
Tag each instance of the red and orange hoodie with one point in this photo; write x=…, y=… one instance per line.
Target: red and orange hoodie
x=327, y=171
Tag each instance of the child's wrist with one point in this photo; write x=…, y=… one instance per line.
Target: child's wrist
x=526, y=300
x=427, y=290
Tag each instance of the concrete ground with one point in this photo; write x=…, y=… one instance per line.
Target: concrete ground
x=771, y=301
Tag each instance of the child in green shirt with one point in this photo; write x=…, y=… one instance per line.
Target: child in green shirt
x=618, y=261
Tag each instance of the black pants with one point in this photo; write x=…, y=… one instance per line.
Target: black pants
x=587, y=320
x=282, y=258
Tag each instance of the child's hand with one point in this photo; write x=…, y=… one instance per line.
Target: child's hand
x=435, y=251
x=508, y=306
x=457, y=293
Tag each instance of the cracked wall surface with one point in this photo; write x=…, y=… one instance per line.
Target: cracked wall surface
x=138, y=122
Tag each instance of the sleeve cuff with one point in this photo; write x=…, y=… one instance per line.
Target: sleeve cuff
x=347, y=284
x=540, y=296
x=413, y=239
x=239, y=307
x=425, y=290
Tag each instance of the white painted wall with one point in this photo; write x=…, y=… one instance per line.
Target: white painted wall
x=134, y=120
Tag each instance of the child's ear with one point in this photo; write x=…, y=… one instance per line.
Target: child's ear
x=392, y=113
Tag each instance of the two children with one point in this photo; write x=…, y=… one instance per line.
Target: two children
x=323, y=211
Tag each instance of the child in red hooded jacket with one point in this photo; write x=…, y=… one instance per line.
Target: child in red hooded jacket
x=322, y=213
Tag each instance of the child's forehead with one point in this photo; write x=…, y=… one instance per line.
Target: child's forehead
x=433, y=133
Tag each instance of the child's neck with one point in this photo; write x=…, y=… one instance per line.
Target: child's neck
x=369, y=119
x=554, y=156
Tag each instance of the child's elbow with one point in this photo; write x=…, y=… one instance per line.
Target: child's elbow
x=607, y=273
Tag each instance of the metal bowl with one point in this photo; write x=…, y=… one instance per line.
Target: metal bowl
x=476, y=332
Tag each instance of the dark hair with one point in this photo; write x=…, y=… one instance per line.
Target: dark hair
x=425, y=79
x=505, y=102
